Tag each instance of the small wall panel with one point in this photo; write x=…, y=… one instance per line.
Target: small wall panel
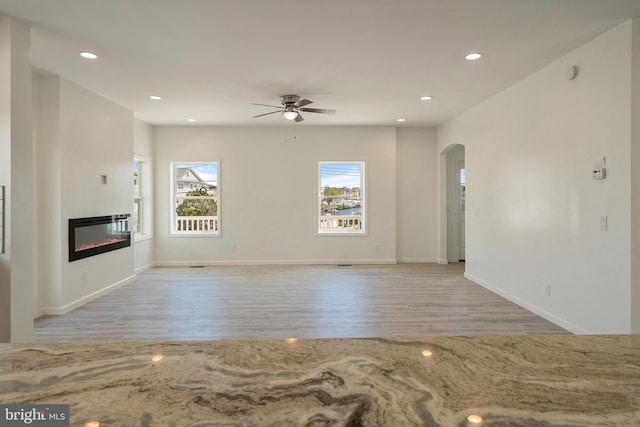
x=1, y=219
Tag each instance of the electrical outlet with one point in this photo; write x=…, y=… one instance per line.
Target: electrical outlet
x=233, y=248
x=603, y=223
x=85, y=276
x=547, y=289
x=377, y=246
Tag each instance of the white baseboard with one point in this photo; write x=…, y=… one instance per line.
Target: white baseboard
x=443, y=261
x=56, y=311
x=416, y=260
x=145, y=267
x=540, y=312
x=276, y=262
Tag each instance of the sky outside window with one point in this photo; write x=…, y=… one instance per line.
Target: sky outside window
x=340, y=175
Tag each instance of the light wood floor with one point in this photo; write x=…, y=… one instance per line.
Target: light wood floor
x=244, y=302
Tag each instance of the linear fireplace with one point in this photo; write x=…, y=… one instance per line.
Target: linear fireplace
x=97, y=235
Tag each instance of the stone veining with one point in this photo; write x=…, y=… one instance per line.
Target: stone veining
x=537, y=381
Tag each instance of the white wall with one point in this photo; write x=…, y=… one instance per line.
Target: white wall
x=83, y=136
x=143, y=246
x=17, y=272
x=635, y=180
x=47, y=105
x=268, y=193
x=532, y=208
x=416, y=194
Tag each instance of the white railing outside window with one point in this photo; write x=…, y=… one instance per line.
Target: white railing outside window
x=338, y=223
x=197, y=224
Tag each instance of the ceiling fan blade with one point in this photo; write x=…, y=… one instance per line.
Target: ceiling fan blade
x=302, y=103
x=299, y=118
x=266, y=105
x=318, y=110
x=266, y=114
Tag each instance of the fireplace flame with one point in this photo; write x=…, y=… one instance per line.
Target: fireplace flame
x=107, y=241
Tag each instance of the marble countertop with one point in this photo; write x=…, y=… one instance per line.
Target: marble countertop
x=515, y=381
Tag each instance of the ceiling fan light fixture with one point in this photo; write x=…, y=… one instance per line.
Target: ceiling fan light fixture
x=290, y=114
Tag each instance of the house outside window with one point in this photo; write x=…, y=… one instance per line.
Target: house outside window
x=195, y=198
x=341, y=198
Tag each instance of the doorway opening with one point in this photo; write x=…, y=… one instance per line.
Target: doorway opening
x=456, y=197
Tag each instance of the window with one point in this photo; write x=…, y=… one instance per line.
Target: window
x=141, y=218
x=195, y=198
x=137, y=199
x=341, y=198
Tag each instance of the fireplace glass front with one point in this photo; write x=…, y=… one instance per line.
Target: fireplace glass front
x=96, y=235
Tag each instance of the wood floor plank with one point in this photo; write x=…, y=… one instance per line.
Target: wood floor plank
x=246, y=302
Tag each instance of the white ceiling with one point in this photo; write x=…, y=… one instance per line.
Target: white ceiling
x=371, y=60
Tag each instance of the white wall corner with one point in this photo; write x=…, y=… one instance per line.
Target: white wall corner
x=56, y=311
x=145, y=267
x=529, y=307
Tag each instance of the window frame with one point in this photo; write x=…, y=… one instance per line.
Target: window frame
x=143, y=198
x=137, y=200
x=363, y=231
x=173, y=232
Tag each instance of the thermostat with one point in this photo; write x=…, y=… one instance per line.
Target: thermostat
x=599, y=170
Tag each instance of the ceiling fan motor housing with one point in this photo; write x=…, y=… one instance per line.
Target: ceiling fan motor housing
x=289, y=99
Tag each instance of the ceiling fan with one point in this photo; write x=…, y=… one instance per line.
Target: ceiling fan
x=292, y=106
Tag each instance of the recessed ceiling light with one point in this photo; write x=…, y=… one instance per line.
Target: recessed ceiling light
x=155, y=97
x=426, y=98
x=473, y=56
x=89, y=55
x=402, y=120
x=192, y=120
